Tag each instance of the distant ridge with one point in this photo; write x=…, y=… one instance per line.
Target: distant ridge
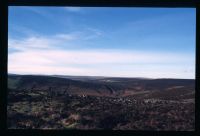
x=96, y=77
x=98, y=86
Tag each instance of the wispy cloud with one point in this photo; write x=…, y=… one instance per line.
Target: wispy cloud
x=73, y=9
x=35, y=41
x=39, y=11
x=93, y=33
x=41, y=55
x=21, y=29
x=67, y=36
x=30, y=43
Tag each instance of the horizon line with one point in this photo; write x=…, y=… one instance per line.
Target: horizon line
x=150, y=78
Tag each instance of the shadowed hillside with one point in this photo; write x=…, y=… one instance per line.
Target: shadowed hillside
x=97, y=86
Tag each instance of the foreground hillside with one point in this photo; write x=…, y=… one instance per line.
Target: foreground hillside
x=48, y=102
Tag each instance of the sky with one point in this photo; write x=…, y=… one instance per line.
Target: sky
x=106, y=41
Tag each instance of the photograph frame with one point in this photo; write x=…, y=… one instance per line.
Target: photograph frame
x=91, y=3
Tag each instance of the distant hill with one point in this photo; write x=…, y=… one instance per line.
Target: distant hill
x=98, y=86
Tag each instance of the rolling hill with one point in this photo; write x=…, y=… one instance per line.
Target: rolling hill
x=99, y=86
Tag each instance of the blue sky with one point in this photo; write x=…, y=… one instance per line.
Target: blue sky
x=127, y=42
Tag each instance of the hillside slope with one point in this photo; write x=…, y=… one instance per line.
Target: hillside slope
x=105, y=86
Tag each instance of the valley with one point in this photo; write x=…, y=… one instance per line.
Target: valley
x=87, y=103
